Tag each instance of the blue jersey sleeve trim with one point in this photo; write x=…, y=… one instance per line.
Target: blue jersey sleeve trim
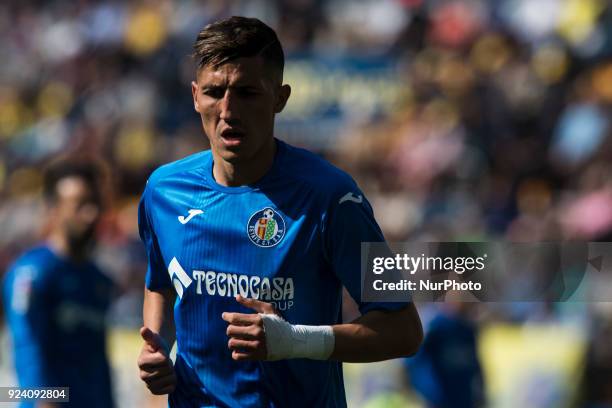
x=156, y=277
x=350, y=222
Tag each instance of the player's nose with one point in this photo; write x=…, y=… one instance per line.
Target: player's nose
x=228, y=107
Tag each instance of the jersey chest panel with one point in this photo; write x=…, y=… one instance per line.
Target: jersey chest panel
x=217, y=246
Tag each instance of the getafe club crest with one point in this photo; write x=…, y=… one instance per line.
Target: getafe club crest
x=266, y=228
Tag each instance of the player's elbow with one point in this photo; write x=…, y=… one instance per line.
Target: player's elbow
x=411, y=335
x=412, y=341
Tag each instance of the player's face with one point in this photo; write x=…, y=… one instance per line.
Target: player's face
x=237, y=102
x=77, y=210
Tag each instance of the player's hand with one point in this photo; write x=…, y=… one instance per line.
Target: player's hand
x=247, y=338
x=156, y=368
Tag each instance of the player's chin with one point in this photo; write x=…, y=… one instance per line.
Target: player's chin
x=235, y=154
x=81, y=235
x=231, y=157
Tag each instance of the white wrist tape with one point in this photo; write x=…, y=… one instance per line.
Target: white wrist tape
x=285, y=340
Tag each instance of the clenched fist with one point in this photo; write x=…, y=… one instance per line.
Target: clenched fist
x=156, y=367
x=246, y=332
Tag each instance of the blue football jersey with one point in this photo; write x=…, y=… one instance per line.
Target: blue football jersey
x=292, y=239
x=56, y=315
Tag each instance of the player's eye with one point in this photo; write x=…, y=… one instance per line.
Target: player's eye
x=216, y=93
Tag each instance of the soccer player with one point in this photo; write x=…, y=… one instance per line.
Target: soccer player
x=446, y=371
x=250, y=243
x=56, y=298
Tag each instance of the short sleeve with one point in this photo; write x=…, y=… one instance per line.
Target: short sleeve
x=26, y=304
x=351, y=222
x=157, y=276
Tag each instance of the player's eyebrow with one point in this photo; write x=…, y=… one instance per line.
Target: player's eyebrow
x=239, y=86
x=212, y=86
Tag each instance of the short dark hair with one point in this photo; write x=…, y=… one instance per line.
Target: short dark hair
x=88, y=169
x=237, y=37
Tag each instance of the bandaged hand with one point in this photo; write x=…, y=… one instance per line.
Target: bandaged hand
x=267, y=336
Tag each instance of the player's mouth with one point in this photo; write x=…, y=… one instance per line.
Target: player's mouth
x=232, y=137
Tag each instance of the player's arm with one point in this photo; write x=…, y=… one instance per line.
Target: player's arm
x=28, y=318
x=27, y=312
x=378, y=335
x=156, y=367
x=385, y=329
x=157, y=313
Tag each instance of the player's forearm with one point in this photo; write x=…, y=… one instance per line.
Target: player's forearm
x=158, y=314
x=378, y=335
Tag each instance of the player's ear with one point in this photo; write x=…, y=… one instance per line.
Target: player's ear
x=194, y=94
x=281, y=98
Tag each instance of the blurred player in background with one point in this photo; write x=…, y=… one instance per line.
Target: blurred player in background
x=446, y=371
x=56, y=298
x=256, y=238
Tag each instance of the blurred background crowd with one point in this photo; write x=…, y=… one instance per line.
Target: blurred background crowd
x=460, y=120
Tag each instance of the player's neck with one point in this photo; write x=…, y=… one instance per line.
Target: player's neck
x=245, y=172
